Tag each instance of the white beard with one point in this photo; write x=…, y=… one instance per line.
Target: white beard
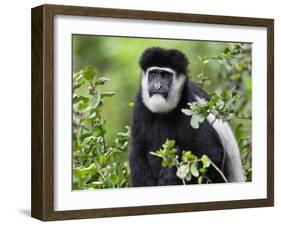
x=157, y=103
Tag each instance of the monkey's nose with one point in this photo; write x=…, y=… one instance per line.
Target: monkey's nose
x=157, y=86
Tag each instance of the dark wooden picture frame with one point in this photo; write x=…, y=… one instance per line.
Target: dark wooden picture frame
x=42, y=203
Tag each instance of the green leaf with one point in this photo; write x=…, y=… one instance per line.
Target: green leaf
x=182, y=171
x=81, y=105
x=77, y=98
x=194, y=170
x=89, y=139
x=107, y=94
x=226, y=50
x=220, y=103
x=122, y=134
x=84, y=136
x=206, y=161
x=95, y=101
x=188, y=176
x=235, y=76
x=201, y=101
x=165, y=162
x=202, y=170
x=89, y=73
x=200, y=180
x=80, y=171
x=131, y=104
x=78, y=76
x=102, y=80
x=188, y=156
x=194, y=122
x=169, y=144
x=187, y=112
x=114, y=179
x=247, y=82
x=93, y=115
x=239, y=131
x=206, y=61
x=196, y=119
x=77, y=85
x=201, y=118
x=158, y=154
x=98, y=182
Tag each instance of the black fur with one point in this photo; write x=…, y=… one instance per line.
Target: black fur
x=160, y=57
x=150, y=130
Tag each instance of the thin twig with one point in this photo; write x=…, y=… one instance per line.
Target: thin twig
x=99, y=170
x=244, y=118
x=182, y=179
x=219, y=171
x=104, y=144
x=102, y=175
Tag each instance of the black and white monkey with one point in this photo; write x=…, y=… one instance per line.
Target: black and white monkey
x=165, y=90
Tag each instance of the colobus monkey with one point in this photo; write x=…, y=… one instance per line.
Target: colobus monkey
x=165, y=90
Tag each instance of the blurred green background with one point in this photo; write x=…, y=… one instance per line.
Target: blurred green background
x=117, y=58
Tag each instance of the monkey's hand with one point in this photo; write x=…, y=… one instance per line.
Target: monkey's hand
x=141, y=172
x=142, y=176
x=167, y=176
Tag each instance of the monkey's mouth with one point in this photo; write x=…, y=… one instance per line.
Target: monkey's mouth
x=163, y=94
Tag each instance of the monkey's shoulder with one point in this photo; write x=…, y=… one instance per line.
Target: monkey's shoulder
x=194, y=90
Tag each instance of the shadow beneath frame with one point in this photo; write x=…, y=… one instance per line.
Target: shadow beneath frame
x=25, y=212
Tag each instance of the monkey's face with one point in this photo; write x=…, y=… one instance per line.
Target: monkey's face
x=159, y=81
x=161, y=89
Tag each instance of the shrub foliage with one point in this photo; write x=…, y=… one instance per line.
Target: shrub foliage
x=96, y=164
x=101, y=164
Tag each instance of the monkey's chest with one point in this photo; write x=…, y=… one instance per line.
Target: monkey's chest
x=157, y=134
x=158, y=131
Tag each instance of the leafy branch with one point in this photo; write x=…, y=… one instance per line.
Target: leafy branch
x=221, y=106
x=233, y=102
x=189, y=166
x=224, y=104
x=96, y=164
x=202, y=76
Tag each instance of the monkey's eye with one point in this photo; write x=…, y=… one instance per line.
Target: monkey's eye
x=153, y=73
x=165, y=75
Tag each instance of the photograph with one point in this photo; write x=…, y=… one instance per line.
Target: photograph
x=160, y=112
x=145, y=112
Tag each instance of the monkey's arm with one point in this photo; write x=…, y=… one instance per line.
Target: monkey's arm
x=141, y=172
x=167, y=176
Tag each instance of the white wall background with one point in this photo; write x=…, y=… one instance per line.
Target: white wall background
x=15, y=112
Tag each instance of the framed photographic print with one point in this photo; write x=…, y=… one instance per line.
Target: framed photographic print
x=141, y=112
